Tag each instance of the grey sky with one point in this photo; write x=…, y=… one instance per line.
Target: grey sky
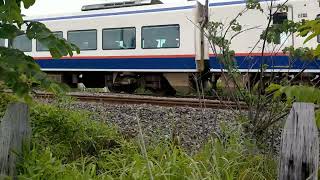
x=44, y=7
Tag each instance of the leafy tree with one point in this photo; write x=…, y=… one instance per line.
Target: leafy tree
x=18, y=71
x=263, y=110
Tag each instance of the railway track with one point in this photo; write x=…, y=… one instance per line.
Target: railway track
x=161, y=101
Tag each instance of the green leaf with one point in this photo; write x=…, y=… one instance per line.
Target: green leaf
x=317, y=51
x=310, y=37
x=273, y=87
x=27, y=99
x=317, y=114
x=28, y=3
x=12, y=12
x=8, y=31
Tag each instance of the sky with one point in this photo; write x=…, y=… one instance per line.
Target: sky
x=46, y=7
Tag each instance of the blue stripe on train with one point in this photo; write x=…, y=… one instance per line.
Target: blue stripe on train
x=128, y=63
x=272, y=62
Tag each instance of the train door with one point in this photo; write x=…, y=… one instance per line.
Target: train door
x=279, y=17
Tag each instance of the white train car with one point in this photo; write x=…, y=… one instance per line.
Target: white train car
x=117, y=43
x=155, y=45
x=248, y=45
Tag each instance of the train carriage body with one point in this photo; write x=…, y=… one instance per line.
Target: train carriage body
x=162, y=40
x=249, y=47
x=159, y=18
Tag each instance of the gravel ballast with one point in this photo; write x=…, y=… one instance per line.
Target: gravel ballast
x=192, y=126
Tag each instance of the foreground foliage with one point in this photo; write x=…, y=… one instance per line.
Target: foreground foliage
x=67, y=144
x=297, y=93
x=18, y=71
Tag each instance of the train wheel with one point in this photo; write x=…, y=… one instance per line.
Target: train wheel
x=130, y=89
x=113, y=88
x=122, y=88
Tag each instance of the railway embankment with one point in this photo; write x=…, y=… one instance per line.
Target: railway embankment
x=191, y=127
x=78, y=139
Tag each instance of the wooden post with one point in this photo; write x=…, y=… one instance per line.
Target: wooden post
x=299, y=153
x=14, y=131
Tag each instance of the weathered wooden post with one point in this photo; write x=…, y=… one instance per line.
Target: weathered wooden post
x=299, y=153
x=14, y=131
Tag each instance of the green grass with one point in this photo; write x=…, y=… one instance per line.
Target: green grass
x=68, y=144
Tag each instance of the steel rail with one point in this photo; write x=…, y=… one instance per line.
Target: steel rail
x=163, y=101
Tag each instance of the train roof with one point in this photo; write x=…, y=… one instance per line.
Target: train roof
x=115, y=11
x=135, y=10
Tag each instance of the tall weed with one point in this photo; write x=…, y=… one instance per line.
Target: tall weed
x=234, y=157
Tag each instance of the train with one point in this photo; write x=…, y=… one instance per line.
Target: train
x=161, y=47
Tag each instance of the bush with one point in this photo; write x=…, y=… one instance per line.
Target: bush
x=65, y=144
x=71, y=134
x=5, y=99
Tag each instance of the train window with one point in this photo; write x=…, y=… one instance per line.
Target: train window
x=119, y=38
x=84, y=39
x=157, y=37
x=22, y=43
x=2, y=43
x=41, y=47
x=278, y=19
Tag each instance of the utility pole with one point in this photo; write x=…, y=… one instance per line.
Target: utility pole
x=202, y=20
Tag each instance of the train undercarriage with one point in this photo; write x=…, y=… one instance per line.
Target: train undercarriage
x=128, y=82
x=173, y=83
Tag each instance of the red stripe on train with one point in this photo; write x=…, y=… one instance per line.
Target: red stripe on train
x=157, y=56
x=122, y=57
x=256, y=54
